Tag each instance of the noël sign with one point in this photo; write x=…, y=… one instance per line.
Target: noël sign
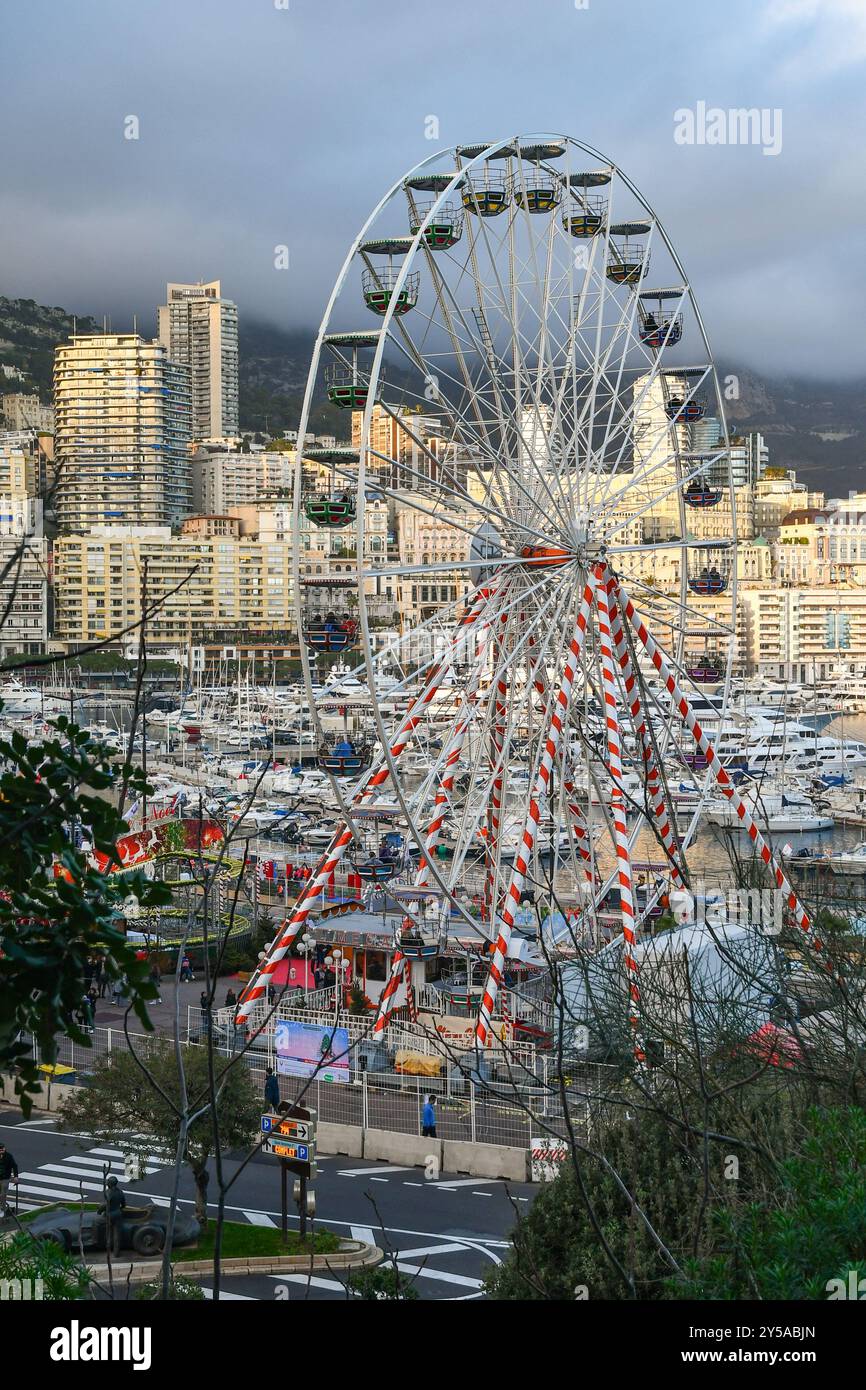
x=304, y=1131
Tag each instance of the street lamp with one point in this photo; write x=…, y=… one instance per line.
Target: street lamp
x=335, y=962
x=305, y=947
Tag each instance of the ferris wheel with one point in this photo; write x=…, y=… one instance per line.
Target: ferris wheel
x=535, y=409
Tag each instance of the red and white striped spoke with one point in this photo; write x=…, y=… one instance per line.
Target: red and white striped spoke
x=617, y=800
x=343, y=835
x=558, y=710
x=638, y=717
x=706, y=748
x=386, y=1006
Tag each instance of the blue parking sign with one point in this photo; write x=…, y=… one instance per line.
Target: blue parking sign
x=267, y=1122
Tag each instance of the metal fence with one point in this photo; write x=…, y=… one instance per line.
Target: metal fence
x=486, y=1112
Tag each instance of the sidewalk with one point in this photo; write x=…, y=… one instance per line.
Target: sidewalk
x=162, y=1015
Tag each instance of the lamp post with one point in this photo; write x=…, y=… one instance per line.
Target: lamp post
x=334, y=961
x=305, y=947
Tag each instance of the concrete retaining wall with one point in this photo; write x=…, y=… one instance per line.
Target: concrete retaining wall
x=51, y=1096
x=476, y=1160
x=406, y=1149
x=484, y=1160
x=340, y=1139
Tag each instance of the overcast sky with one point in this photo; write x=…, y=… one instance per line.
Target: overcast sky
x=262, y=125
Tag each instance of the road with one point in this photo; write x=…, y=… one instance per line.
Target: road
x=446, y=1233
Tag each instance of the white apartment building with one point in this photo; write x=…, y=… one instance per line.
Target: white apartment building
x=206, y=584
x=24, y=567
x=123, y=428
x=224, y=480
x=198, y=327
x=801, y=634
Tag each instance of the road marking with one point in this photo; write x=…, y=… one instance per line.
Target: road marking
x=423, y=1273
x=448, y=1184
x=311, y=1280
x=66, y=1183
x=259, y=1218
x=482, y=1194
x=414, y=1184
x=378, y=1180
x=47, y=1193
x=30, y=1124
x=368, y=1172
x=433, y=1250
x=229, y=1297
x=364, y=1233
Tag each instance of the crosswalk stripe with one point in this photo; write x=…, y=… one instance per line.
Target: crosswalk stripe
x=364, y=1233
x=430, y=1250
x=110, y=1163
x=46, y=1193
x=73, y=1183
x=312, y=1280
x=423, y=1273
x=158, y=1159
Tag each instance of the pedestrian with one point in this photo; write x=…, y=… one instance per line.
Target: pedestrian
x=8, y=1174
x=231, y=999
x=272, y=1089
x=428, y=1118
x=203, y=1001
x=115, y=993
x=84, y=1015
x=102, y=979
x=93, y=996
x=156, y=980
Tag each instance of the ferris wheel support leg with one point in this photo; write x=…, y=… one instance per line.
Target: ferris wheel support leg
x=623, y=853
x=581, y=834
x=724, y=782
x=343, y=836
x=559, y=710
x=638, y=716
x=495, y=812
x=386, y=1007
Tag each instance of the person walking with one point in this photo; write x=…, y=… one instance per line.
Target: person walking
x=428, y=1118
x=231, y=998
x=8, y=1174
x=272, y=1089
x=115, y=992
x=102, y=980
x=156, y=979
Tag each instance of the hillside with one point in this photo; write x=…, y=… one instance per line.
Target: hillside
x=29, y=333
x=817, y=427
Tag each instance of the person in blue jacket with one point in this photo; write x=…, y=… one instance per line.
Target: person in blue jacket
x=428, y=1118
x=272, y=1089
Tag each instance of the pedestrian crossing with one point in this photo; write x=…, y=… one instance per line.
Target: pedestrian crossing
x=77, y=1176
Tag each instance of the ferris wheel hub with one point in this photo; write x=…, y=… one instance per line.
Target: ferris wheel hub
x=545, y=556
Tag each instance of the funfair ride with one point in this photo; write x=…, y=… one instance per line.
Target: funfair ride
x=551, y=440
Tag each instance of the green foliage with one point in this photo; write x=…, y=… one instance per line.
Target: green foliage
x=64, y=1279
x=559, y=1246
x=56, y=910
x=103, y=661
x=179, y=1290
x=358, y=1002
x=123, y=1100
x=814, y=1231
x=381, y=1283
